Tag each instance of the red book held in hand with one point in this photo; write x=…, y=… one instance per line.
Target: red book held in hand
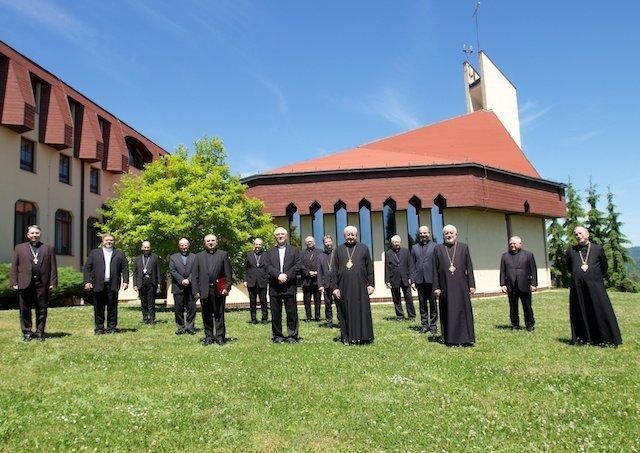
x=221, y=284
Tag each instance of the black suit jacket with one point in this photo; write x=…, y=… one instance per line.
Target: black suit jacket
x=153, y=270
x=202, y=275
x=422, y=262
x=397, y=267
x=324, y=273
x=518, y=271
x=291, y=267
x=255, y=270
x=180, y=271
x=22, y=261
x=94, y=269
x=309, y=261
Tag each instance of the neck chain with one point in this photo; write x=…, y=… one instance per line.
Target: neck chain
x=584, y=260
x=349, y=256
x=451, y=257
x=34, y=254
x=330, y=259
x=257, y=257
x=145, y=263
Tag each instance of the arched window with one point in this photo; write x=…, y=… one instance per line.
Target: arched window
x=294, y=225
x=340, y=210
x=413, y=220
x=364, y=212
x=317, y=223
x=389, y=221
x=63, y=232
x=93, y=235
x=437, y=218
x=26, y=214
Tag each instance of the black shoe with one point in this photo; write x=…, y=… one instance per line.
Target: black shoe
x=433, y=330
x=99, y=331
x=254, y=321
x=399, y=318
x=152, y=322
x=39, y=336
x=278, y=340
x=220, y=341
x=191, y=331
x=206, y=341
x=425, y=329
x=265, y=321
x=412, y=318
x=113, y=330
x=181, y=331
x=27, y=336
x=292, y=340
x=531, y=328
x=329, y=325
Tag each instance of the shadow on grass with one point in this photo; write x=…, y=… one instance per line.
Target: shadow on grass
x=394, y=319
x=503, y=326
x=126, y=330
x=56, y=334
x=435, y=339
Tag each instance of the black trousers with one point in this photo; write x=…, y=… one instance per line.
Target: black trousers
x=147, y=291
x=213, y=315
x=408, y=300
x=105, y=299
x=261, y=294
x=33, y=297
x=428, y=306
x=308, y=292
x=291, y=310
x=185, y=301
x=328, y=301
x=527, y=310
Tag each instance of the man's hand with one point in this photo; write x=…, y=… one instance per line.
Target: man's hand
x=125, y=286
x=321, y=288
x=313, y=273
x=135, y=288
x=413, y=287
x=370, y=289
x=196, y=296
x=389, y=285
x=336, y=293
x=503, y=289
x=15, y=287
x=87, y=286
x=50, y=286
x=224, y=292
x=185, y=282
x=533, y=288
x=472, y=290
x=437, y=292
x=245, y=284
x=282, y=278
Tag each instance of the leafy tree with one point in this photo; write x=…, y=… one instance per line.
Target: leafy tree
x=575, y=213
x=595, y=222
x=557, y=244
x=186, y=196
x=617, y=253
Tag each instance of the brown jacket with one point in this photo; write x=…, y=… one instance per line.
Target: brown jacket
x=21, y=263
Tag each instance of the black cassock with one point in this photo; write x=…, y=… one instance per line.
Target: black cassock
x=590, y=311
x=456, y=314
x=356, y=325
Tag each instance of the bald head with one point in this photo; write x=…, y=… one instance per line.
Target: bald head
x=515, y=244
x=424, y=235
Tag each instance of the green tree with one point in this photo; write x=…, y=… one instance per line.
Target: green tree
x=557, y=243
x=595, y=221
x=186, y=196
x=575, y=213
x=616, y=251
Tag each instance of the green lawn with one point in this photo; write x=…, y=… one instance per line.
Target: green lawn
x=148, y=389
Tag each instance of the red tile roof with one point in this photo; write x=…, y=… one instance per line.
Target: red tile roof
x=477, y=137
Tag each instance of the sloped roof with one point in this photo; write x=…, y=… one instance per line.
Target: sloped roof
x=478, y=137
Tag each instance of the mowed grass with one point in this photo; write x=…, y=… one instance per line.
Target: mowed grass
x=148, y=389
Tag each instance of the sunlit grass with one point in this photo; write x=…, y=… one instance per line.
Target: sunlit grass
x=148, y=389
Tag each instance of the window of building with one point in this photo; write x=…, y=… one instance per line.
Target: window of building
x=36, y=86
x=27, y=155
x=63, y=232
x=64, y=169
x=437, y=218
x=340, y=210
x=26, y=214
x=94, y=180
x=365, y=224
x=93, y=234
x=413, y=220
x=389, y=221
x=294, y=225
x=317, y=223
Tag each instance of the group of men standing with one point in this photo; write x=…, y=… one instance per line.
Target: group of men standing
x=344, y=276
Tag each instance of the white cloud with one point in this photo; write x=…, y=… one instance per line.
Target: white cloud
x=530, y=112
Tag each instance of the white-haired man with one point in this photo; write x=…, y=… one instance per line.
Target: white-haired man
x=397, y=276
x=352, y=282
x=591, y=315
x=453, y=283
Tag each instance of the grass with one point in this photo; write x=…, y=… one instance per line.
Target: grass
x=148, y=389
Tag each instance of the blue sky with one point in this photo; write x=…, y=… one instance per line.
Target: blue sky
x=287, y=80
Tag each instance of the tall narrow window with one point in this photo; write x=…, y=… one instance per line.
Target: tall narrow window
x=26, y=214
x=340, y=210
x=27, y=155
x=365, y=224
x=294, y=225
x=94, y=181
x=93, y=235
x=437, y=218
x=64, y=169
x=413, y=220
x=63, y=232
x=317, y=223
x=36, y=86
x=389, y=221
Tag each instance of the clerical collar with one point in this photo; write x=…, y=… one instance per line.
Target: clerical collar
x=449, y=244
x=514, y=252
x=35, y=245
x=184, y=253
x=211, y=251
x=311, y=249
x=282, y=246
x=425, y=242
x=350, y=244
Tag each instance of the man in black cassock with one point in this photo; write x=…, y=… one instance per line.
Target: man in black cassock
x=255, y=280
x=590, y=312
x=352, y=283
x=518, y=279
x=453, y=282
x=324, y=272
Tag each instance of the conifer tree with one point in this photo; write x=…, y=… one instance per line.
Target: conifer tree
x=557, y=244
x=616, y=251
x=575, y=213
x=595, y=221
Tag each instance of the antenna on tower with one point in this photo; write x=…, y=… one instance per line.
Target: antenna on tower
x=475, y=15
x=467, y=51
